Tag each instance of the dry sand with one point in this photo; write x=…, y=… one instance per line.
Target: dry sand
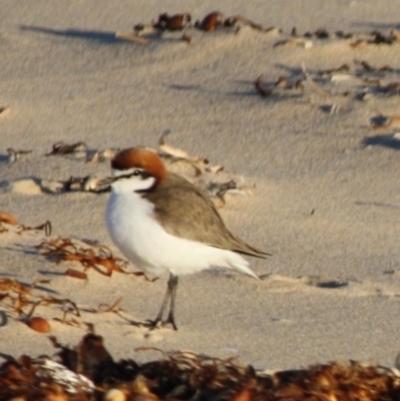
x=326, y=183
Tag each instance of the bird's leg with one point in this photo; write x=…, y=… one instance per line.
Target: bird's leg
x=172, y=286
x=158, y=319
x=169, y=296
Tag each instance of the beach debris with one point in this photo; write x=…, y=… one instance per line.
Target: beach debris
x=18, y=380
x=177, y=159
x=16, y=154
x=236, y=20
x=320, y=33
x=170, y=150
x=131, y=38
x=88, y=357
x=18, y=293
x=313, y=84
x=218, y=191
x=114, y=394
x=296, y=41
x=76, y=273
x=61, y=148
x=201, y=165
x=63, y=379
x=89, y=372
x=331, y=71
x=141, y=30
x=39, y=324
x=80, y=150
x=176, y=22
x=395, y=33
x=9, y=220
x=99, y=258
x=376, y=38
x=86, y=184
x=281, y=83
x=20, y=296
x=376, y=71
x=380, y=38
x=383, y=122
x=258, y=85
x=101, y=155
x=210, y=22
x=361, y=75
x=25, y=186
x=114, y=307
x=182, y=21
x=89, y=183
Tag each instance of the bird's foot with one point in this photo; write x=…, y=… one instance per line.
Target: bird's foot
x=158, y=323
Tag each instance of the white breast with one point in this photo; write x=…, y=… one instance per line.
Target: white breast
x=140, y=237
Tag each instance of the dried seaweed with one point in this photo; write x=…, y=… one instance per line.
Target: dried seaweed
x=210, y=22
x=61, y=148
x=8, y=218
x=176, y=22
x=21, y=298
x=99, y=258
x=88, y=372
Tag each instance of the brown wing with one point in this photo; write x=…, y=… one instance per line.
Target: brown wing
x=185, y=212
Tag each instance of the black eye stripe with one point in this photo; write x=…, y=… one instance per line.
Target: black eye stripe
x=135, y=173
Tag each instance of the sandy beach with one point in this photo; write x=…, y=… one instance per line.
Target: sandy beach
x=313, y=147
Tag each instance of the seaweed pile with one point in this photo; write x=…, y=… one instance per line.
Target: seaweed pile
x=88, y=372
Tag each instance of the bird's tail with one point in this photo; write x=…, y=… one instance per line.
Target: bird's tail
x=238, y=263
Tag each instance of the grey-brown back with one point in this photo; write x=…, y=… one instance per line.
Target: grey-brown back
x=185, y=212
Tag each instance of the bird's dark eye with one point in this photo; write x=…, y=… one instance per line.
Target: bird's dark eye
x=137, y=172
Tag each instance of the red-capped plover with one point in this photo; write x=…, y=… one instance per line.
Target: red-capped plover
x=161, y=222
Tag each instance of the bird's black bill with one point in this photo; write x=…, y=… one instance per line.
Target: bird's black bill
x=107, y=181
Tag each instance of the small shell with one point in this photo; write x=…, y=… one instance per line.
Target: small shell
x=114, y=394
x=39, y=324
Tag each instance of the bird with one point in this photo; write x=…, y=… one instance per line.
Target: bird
x=162, y=223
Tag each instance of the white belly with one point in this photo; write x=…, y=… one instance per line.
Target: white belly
x=135, y=231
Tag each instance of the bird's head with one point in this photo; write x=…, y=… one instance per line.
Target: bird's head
x=136, y=170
